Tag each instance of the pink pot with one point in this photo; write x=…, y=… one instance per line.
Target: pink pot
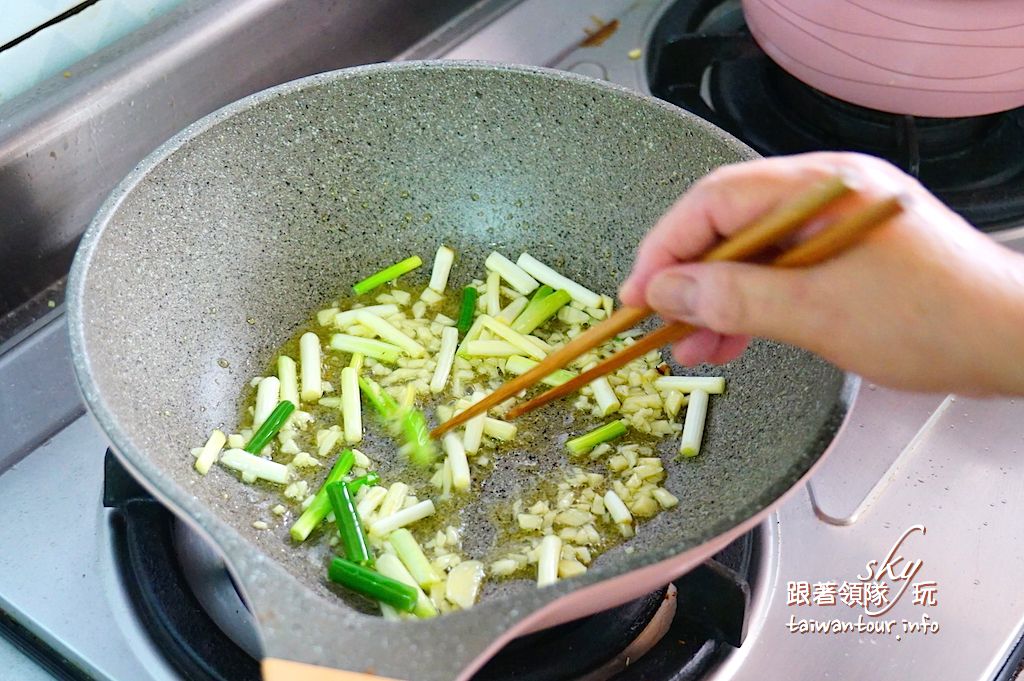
x=942, y=58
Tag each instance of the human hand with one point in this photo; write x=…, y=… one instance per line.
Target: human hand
x=925, y=302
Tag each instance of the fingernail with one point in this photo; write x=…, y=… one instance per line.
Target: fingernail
x=626, y=289
x=674, y=295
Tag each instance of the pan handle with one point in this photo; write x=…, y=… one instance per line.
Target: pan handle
x=276, y=669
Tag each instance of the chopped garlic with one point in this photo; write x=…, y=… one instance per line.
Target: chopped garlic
x=304, y=460
x=463, y=583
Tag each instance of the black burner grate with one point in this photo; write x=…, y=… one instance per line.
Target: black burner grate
x=710, y=617
x=703, y=59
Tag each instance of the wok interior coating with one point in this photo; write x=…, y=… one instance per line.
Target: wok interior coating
x=221, y=249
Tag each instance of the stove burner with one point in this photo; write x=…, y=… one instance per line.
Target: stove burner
x=712, y=599
x=703, y=59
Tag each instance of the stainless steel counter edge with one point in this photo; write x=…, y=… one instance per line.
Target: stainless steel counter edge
x=65, y=144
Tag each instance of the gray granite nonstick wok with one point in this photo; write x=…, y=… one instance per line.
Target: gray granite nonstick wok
x=217, y=246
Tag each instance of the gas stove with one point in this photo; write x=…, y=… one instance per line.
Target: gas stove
x=97, y=581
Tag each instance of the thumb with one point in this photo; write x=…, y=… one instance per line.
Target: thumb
x=735, y=298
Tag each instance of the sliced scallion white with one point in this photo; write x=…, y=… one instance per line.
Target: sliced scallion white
x=443, y=261
x=389, y=565
x=412, y=556
x=714, y=385
x=520, y=365
x=472, y=334
x=526, y=344
x=546, y=275
x=309, y=364
x=351, y=409
x=516, y=277
x=287, y=374
x=474, y=430
x=406, y=516
x=344, y=320
x=370, y=347
x=513, y=310
x=607, y=402
x=693, y=424
x=387, y=331
x=549, y=553
x=492, y=299
x=210, y=451
x=244, y=462
x=491, y=348
x=445, y=357
x=457, y=460
x=268, y=394
x=499, y=430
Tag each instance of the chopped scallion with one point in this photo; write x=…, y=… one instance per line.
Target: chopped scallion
x=288, y=375
x=268, y=394
x=256, y=466
x=549, y=554
x=355, y=485
x=350, y=529
x=387, y=274
x=520, y=365
x=309, y=367
x=693, y=423
x=528, y=344
x=321, y=505
x=390, y=333
x=385, y=405
x=541, y=293
x=373, y=584
x=344, y=320
x=584, y=443
x=406, y=516
x=443, y=261
x=351, y=409
x=390, y=566
x=510, y=272
x=210, y=451
x=412, y=556
x=545, y=275
x=714, y=385
x=445, y=358
x=466, y=309
x=370, y=347
x=269, y=428
x=539, y=311
x=416, y=433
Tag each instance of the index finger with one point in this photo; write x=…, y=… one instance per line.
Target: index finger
x=717, y=206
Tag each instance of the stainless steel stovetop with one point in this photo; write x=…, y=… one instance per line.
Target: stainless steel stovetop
x=948, y=464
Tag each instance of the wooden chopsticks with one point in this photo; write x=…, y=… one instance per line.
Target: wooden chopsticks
x=749, y=242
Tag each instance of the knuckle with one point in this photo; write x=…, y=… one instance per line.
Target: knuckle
x=725, y=307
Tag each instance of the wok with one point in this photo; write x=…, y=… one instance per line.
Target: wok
x=215, y=248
